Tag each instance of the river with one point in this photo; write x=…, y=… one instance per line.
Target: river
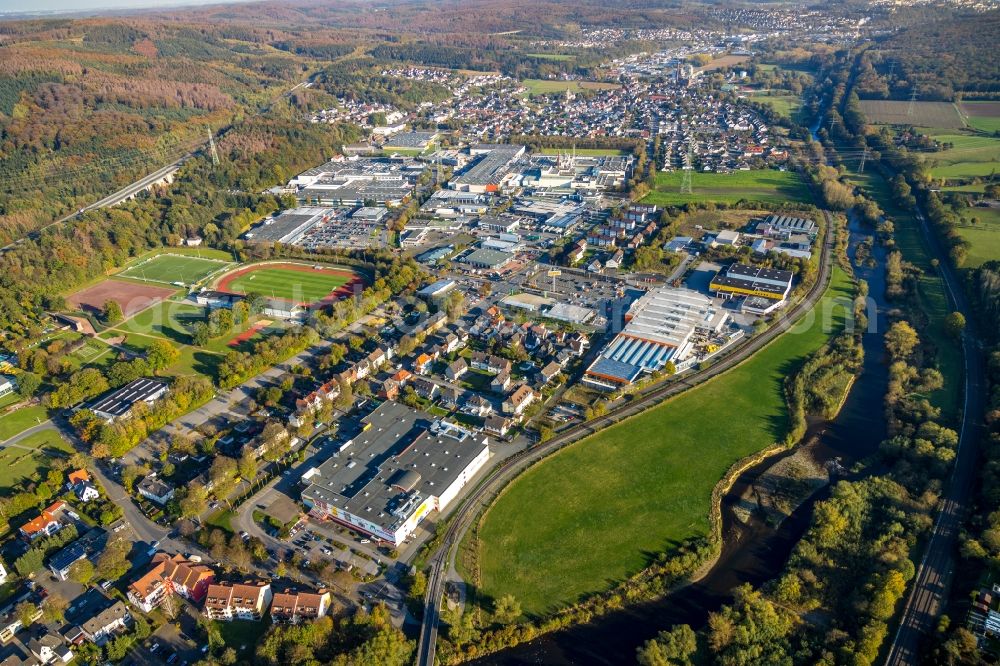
x=753, y=551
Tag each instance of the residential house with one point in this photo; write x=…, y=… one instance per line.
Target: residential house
x=88, y=546
x=86, y=492
x=456, y=369
x=295, y=607
x=548, y=373
x=497, y=425
x=389, y=389
x=450, y=397
x=477, y=405
x=170, y=575
x=50, y=648
x=501, y=382
x=45, y=524
x=425, y=388
x=226, y=601
x=10, y=621
x=423, y=364
x=100, y=626
x=519, y=400
x=155, y=489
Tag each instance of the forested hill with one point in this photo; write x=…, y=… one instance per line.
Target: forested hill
x=88, y=106
x=939, y=58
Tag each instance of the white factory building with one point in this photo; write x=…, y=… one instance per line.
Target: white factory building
x=659, y=329
x=403, y=465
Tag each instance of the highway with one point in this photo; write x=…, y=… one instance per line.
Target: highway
x=931, y=583
x=490, y=487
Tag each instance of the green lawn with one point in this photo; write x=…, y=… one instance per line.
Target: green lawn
x=18, y=465
x=94, y=352
x=782, y=102
x=171, y=268
x=20, y=420
x=985, y=244
x=544, y=86
x=289, y=284
x=166, y=319
x=971, y=155
x=765, y=185
x=597, y=511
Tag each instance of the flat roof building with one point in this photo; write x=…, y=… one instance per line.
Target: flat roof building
x=400, y=467
x=791, y=224
x=659, y=329
x=489, y=171
x=743, y=280
x=119, y=403
x=489, y=259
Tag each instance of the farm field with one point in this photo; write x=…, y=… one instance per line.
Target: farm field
x=984, y=116
x=925, y=114
x=20, y=420
x=18, y=465
x=970, y=155
x=171, y=268
x=543, y=87
x=601, y=507
x=765, y=185
x=298, y=283
x=723, y=62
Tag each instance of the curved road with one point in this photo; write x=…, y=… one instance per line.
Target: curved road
x=483, y=494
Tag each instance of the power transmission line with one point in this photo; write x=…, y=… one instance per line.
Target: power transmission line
x=913, y=101
x=211, y=145
x=686, y=187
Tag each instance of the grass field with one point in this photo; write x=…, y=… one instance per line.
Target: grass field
x=597, y=511
x=784, y=103
x=20, y=420
x=167, y=319
x=984, y=236
x=300, y=286
x=970, y=155
x=925, y=114
x=18, y=465
x=543, y=87
x=171, y=268
x=765, y=185
x=984, y=116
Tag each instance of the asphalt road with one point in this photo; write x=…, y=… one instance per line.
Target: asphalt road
x=933, y=577
x=491, y=486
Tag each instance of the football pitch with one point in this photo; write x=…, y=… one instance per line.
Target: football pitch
x=173, y=268
x=290, y=282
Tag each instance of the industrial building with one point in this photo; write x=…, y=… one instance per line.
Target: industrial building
x=743, y=280
x=659, y=329
x=488, y=172
x=402, y=465
x=118, y=404
x=358, y=181
x=787, y=225
x=486, y=258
